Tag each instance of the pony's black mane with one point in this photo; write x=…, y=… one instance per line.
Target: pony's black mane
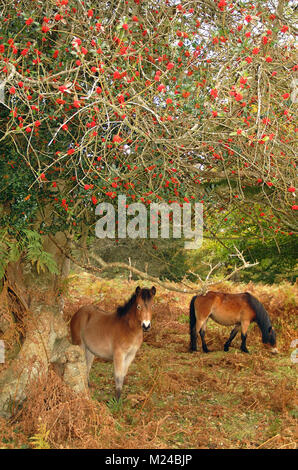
x=262, y=317
x=123, y=309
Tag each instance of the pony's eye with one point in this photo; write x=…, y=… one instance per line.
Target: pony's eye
x=139, y=307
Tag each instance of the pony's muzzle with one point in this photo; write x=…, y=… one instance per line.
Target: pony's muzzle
x=146, y=325
x=274, y=351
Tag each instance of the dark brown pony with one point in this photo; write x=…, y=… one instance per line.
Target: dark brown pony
x=229, y=309
x=114, y=336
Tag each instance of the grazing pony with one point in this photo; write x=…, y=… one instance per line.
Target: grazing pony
x=114, y=336
x=229, y=309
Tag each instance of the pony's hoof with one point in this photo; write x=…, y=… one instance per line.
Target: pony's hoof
x=245, y=350
x=206, y=350
x=226, y=348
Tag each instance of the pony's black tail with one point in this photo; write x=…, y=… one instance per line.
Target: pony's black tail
x=262, y=317
x=192, y=325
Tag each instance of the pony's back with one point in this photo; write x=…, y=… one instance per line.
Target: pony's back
x=75, y=328
x=78, y=322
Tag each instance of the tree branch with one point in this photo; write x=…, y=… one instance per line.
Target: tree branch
x=202, y=289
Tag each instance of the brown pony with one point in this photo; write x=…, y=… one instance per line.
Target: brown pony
x=229, y=309
x=114, y=336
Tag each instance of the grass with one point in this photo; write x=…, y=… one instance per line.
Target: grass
x=228, y=397
x=176, y=399
x=214, y=400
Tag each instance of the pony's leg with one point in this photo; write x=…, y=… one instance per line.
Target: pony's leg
x=232, y=336
x=89, y=361
x=202, y=334
x=201, y=329
x=128, y=360
x=244, y=328
x=119, y=369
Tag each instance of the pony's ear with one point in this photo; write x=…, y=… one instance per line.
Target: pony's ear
x=138, y=290
x=269, y=329
x=153, y=290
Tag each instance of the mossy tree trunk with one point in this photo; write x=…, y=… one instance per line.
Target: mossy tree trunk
x=46, y=340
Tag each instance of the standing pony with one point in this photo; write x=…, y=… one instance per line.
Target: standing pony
x=229, y=309
x=115, y=337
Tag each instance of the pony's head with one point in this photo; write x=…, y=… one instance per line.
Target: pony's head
x=144, y=301
x=270, y=340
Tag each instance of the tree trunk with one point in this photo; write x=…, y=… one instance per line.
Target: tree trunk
x=46, y=341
